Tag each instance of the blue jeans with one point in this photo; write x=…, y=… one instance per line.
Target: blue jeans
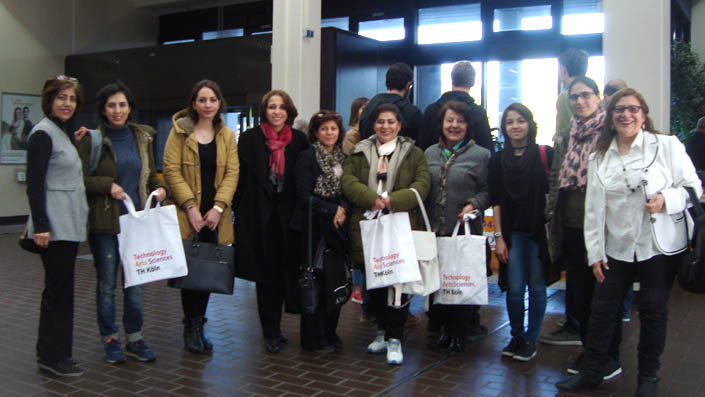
x=359, y=279
x=524, y=268
x=107, y=261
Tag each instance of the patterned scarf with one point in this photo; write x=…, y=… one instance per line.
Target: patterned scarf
x=583, y=137
x=328, y=183
x=447, y=161
x=384, y=151
x=276, y=143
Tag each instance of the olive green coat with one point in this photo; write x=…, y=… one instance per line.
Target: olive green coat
x=104, y=210
x=412, y=173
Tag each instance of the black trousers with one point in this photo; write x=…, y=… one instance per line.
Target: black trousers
x=194, y=303
x=580, y=282
x=55, y=340
x=389, y=319
x=270, y=299
x=318, y=329
x=656, y=277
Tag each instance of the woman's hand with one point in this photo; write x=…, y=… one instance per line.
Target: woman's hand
x=195, y=218
x=212, y=218
x=42, y=239
x=116, y=191
x=339, y=217
x=379, y=204
x=161, y=194
x=80, y=133
x=388, y=204
x=655, y=203
x=466, y=210
x=597, y=270
x=500, y=250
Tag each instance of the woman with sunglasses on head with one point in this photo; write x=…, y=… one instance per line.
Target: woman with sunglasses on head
x=635, y=227
x=58, y=219
x=125, y=167
x=267, y=250
x=201, y=170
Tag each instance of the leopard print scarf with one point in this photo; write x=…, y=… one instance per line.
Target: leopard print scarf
x=328, y=183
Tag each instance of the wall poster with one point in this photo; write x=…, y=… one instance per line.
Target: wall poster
x=20, y=112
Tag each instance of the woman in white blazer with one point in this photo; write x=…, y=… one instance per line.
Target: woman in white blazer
x=635, y=228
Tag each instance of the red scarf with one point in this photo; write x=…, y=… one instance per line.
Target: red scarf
x=276, y=143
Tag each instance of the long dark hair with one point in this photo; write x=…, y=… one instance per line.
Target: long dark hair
x=608, y=130
x=527, y=115
x=218, y=94
x=110, y=90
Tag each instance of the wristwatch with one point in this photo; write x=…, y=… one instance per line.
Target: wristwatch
x=217, y=208
x=497, y=234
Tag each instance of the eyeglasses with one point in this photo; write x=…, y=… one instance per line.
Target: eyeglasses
x=585, y=95
x=66, y=78
x=633, y=109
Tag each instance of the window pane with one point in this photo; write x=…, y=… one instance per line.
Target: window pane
x=582, y=17
x=178, y=41
x=596, y=70
x=223, y=34
x=522, y=18
x=383, y=29
x=450, y=24
x=340, y=23
x=531, y=82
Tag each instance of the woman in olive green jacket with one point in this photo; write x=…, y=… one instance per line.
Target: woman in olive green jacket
x=201, y=169
x=125, y=167
x=400, y=166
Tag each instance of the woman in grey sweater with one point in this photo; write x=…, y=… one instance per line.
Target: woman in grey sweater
x=458, y=186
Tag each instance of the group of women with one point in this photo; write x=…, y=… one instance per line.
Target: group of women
x=276, y=177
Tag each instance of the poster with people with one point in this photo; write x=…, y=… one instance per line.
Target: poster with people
x=20, y=112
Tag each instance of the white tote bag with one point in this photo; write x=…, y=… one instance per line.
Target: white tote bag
x=388, y=247
x=150, y=243
x=463, y=271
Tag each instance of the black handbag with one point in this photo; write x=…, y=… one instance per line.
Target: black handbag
x=27, y=243
x=309, y=281
x=691, y=274
x=210, y=268
x=337, y=278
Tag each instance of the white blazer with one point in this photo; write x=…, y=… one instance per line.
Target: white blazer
x=667, y=168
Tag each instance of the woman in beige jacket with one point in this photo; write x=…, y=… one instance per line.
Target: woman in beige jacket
x=201, y=169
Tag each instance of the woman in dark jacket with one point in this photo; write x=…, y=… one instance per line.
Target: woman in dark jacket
x=58, y=219
x=318, y=171
x=458, y=169
x=266, y=249
x=125, y=167
x=518, y=184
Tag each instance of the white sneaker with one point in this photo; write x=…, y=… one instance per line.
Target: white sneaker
x=379, y=345
x=394, y=354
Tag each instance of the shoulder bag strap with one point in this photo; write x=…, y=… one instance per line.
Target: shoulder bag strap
x=544, y=161
x=423, y=210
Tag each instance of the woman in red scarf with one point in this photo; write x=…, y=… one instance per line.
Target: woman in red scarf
x=266, y=250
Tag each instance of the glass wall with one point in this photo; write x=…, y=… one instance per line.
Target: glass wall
x=340, y=23
x=582, y=17
x=450, y=24
x=383, y=29
x=522, y=18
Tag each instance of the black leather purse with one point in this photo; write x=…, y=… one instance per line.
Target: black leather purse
x=691, y=274
x=210, y=268
x=27, y=243
x=309, y=282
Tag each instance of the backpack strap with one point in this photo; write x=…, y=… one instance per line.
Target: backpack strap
x=96, y=146
x=544, y=161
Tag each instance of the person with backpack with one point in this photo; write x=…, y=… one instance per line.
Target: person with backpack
x=518, y=183
x=119, y=160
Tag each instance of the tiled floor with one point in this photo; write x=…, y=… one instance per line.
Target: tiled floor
x=239, y=366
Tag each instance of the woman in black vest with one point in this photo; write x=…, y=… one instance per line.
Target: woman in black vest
x=266, y=250
x=58, y=219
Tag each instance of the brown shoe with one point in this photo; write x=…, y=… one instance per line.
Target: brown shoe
x=413, y=319
x=367, y=318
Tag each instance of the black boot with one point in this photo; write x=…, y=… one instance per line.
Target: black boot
x=207, y=344
x=457, y=345
x=646, y=386
x=580, y=382
x=442, y=341
x=192, y=334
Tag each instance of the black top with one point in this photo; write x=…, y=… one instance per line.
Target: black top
x=39, y=149
x=431, y=127
x=206, y=155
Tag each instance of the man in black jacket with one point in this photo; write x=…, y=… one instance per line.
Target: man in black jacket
x=462, y=78
x=399, y=78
